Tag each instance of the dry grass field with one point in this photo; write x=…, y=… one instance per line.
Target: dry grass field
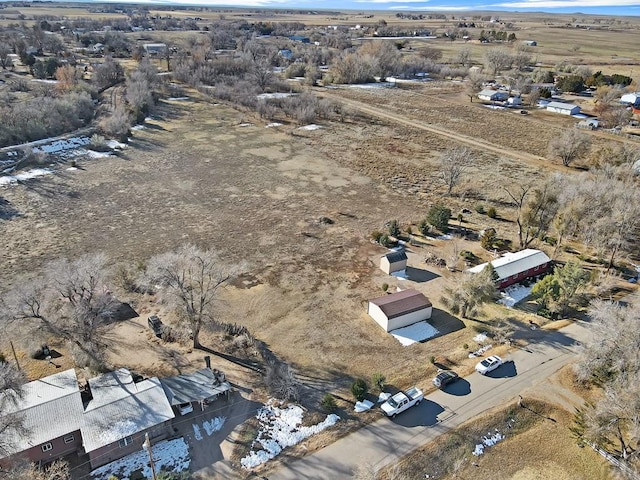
x=206, y=173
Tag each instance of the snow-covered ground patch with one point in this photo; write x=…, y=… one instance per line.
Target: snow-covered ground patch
x=268, y=96
x=115, y=145
x=373, y=85
x=138, y=127
x=514, y=294
x=169, y=455
x=487, y=441
x=481, y=351
x=280, y=428
x=177, y=99
x=94, y=154
x=246, y=125
x=480, y=338
x=273, y=125
x=214, y=425
x=400, y=274
x=414, y=333
x=60, y=146
x=197, y=434
x=29, y=174
x=495, y=107
x=363, y=406
x=312, y=126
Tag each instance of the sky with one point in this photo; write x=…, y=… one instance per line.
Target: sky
x=596, y=7
x=600, y=7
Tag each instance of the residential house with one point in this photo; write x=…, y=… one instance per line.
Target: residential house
x=198, y=388
x=299, y=38
x=399, y=309
x=155, y=48
x=515, y=267
x=489, y=95
x=563, y=108
x=395, y=261
x=120, y=413
x=514, y=101
x=51, y=413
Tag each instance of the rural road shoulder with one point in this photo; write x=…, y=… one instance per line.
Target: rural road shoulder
x=386, y=440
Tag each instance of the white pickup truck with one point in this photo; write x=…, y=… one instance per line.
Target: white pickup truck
x=402, y=401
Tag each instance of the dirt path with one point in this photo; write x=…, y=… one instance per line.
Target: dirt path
x=464, y=139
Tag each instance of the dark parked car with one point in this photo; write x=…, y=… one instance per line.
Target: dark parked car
x=155, y=324
x=445, y=377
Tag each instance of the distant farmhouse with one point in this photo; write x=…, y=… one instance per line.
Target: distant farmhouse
x=631, y=99
x=563, y=108
x=493, y=95
x=155, y=48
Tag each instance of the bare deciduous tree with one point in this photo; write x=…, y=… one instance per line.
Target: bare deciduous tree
x=190, y=279
x=5, y=59
x=11, y=424
x=72, y=302
x=474, y=83
x=471, y=292
x=498, y=59
x=464, y=57
x=453, y=164
x=281, y=381
x=570, y=146
x=108, y=73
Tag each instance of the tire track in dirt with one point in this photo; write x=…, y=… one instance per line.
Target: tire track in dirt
x=470, y=141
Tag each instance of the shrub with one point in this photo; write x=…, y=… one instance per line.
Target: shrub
x=385, y=241
x=424, y=227
x=480, y=209
x=359, y=389
x=551, y=241
x=465, y=346
x=394, y=228
x=98, y=143
x=328, y=403
x=385, y=287
x=468, y=256
x=491, y=212
x=378, y=380
x=439, y=216
x=376, y=235
x=432, y=359
x=488, y=239
x=409, y=230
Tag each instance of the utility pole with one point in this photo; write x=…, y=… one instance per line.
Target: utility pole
x=147, y=446
x=15, y=356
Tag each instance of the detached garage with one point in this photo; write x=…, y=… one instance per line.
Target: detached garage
x=393, y=262
x=399, y=309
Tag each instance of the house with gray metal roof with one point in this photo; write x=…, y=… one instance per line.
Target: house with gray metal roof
x=120, y=413
x=51, y=415
x=200, y=387
x=514, y=267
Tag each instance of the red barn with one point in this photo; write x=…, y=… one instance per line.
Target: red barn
x=514, y=267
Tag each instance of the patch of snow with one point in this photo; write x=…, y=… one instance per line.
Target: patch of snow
x=480, y=338
x=312, y=126
x=214, y=425
x=43, y=80
x=94, y=154
x=400, y=274
x=280, y=428
x=57, y=146
x=20, y=177
x=363, y=406
x=246, y=125
x=177, y=99
x=514, y=294
x=168, y=455
x=114, y=144
x=444, y=237
x=138, y=127
x=196, y=432
x=481, y=351
x=373, y=85
x=273, y=125
x=487, y=441
x=495, y=107
x=414, y=333
x=383, y=397
x=72, y=169
x=267, y=96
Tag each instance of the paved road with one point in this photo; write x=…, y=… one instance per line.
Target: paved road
x=386, y=440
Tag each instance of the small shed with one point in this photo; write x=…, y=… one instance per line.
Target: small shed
x=493, y=95
x=563, y=108
x=395, y=261
x=155, y=48
x=399, y=309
